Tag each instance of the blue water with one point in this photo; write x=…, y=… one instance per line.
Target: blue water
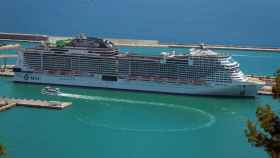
x=104, y=123
x=250, y=22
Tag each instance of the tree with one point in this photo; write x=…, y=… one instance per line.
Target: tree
x=2, y=150
x=269, y=137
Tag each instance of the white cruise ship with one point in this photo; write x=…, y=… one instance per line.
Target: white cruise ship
x=94, y=62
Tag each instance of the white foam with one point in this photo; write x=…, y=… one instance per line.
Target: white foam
x=211, y=118
x=238, y=55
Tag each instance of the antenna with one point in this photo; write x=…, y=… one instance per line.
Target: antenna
x=202, y=46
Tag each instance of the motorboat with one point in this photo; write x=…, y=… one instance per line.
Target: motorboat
x=50, y=91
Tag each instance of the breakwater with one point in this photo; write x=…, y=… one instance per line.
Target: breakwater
x=133, y=42
x=9, y=46
x=23, y=37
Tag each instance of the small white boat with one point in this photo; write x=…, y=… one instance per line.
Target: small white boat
x=50, y=91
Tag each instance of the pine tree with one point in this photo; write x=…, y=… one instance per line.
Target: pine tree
x=269, y=137
x=2, y=150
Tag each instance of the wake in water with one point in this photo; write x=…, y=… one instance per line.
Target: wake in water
x=210, y=117
x=239, y=55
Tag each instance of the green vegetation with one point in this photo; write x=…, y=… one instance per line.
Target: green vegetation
x=62, y=43
x=269, y=137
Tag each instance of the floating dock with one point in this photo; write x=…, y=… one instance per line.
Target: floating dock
x=7, y=103
x=132, y=42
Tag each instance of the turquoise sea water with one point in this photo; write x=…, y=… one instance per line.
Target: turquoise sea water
x=105, y=123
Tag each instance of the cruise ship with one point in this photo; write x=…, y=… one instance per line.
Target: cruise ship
x=94, y=62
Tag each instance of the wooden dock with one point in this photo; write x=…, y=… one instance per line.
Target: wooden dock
x=7, y=103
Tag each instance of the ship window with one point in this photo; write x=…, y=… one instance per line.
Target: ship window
x=109, y=78
x=17, y=69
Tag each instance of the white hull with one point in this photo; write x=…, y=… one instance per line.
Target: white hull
x=238, y=89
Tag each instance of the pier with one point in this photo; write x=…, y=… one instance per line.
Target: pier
x=7, y=70
x=266, y=81
x=132, y=42
x=22, y=37
x=7, y=103
x=265, y=90
x=9, y=46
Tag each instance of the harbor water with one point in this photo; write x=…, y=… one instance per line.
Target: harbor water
x=106, y=123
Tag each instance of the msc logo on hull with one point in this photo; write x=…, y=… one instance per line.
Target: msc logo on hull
x=33, y=78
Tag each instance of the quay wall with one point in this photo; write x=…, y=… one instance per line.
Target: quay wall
x=23, y=37
x=133, y=42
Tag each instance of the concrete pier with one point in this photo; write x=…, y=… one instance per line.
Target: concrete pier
x=6, y=70
x=265, y=90
x=132, y=42
x=8, y=56
x=9, y=46
x=7, y=73
x=23, y=37
x=7, y=103
x=266, y=81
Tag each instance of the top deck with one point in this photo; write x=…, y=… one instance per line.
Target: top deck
x=76, y=49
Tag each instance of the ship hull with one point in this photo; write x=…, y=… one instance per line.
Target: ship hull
x=238, y=90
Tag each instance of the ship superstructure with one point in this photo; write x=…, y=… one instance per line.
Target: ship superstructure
x=94, y=62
